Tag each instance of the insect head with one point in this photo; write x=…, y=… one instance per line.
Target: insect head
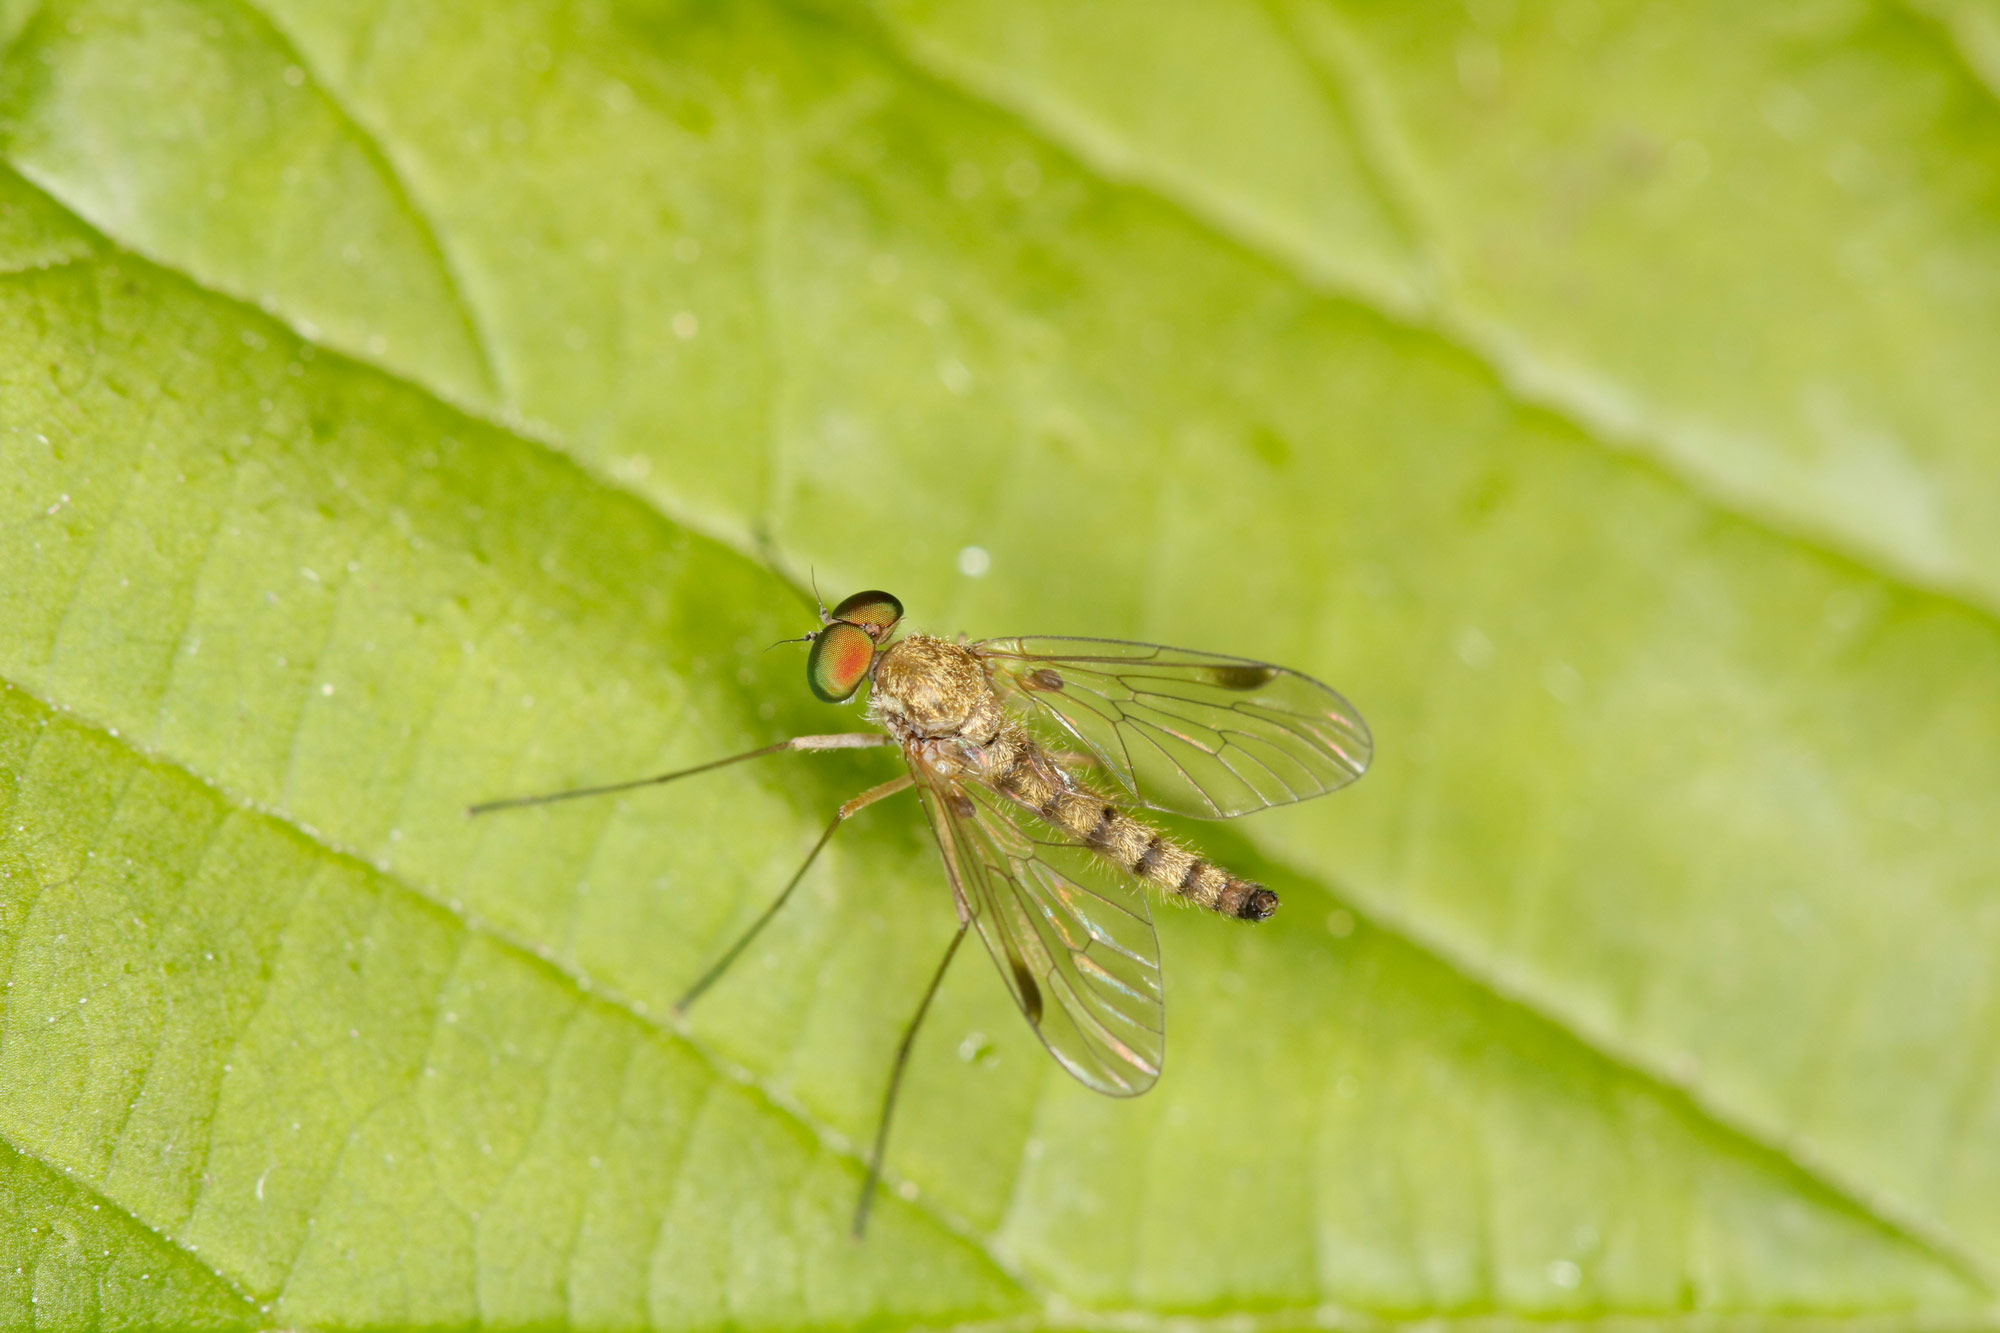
x=843, y=652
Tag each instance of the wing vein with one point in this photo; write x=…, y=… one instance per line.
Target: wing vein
x=1194, y=733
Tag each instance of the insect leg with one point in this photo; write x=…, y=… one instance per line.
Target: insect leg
x=844, y=740
x=841, y=816
x=896, y=1081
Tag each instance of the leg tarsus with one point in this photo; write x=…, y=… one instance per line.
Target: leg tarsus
x=840, y=740
x=841, y=816
x=895, y=1082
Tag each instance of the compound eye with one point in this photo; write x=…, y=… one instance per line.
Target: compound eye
x=839, y=661
x=876, y=612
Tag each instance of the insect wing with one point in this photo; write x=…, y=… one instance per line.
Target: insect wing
x=1191, y=733
x=1075, y=947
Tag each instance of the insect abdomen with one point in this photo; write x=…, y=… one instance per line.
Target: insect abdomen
x=1140, y=849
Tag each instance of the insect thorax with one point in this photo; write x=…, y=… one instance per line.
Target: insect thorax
x=924, y=688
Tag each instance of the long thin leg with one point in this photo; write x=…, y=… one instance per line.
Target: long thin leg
x=896, y=1082
x=841, y=816
x=844, y=740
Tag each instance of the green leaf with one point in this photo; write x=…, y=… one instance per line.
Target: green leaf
x=410, y=405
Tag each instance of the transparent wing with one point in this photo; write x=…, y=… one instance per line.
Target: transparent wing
x=1073, y=942
x=1192, y=733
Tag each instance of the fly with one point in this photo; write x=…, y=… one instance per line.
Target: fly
x=1026, y=754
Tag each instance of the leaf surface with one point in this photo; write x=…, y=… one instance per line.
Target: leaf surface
x=407, y=406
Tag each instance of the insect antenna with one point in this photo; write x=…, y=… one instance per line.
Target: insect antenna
x=812, y=576
x=895, y=1084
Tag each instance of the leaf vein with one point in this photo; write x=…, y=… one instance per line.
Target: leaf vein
x=145, y=1074
x=377, y=148
x=1922, y=1232
x=236, y=1289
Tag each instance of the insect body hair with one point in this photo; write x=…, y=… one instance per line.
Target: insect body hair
x=926, y=688
x=1026, y=773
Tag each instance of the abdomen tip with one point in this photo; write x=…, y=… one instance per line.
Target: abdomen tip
x=1258, y=906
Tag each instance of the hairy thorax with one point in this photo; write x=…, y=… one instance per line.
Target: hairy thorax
x=926, y=689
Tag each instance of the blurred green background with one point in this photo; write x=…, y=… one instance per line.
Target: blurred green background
x=405, y=404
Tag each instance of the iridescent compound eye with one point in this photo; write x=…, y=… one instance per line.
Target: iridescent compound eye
x=874, y=612
x=839, y=661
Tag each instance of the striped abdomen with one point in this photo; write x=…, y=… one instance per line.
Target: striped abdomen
x=1138, y=848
